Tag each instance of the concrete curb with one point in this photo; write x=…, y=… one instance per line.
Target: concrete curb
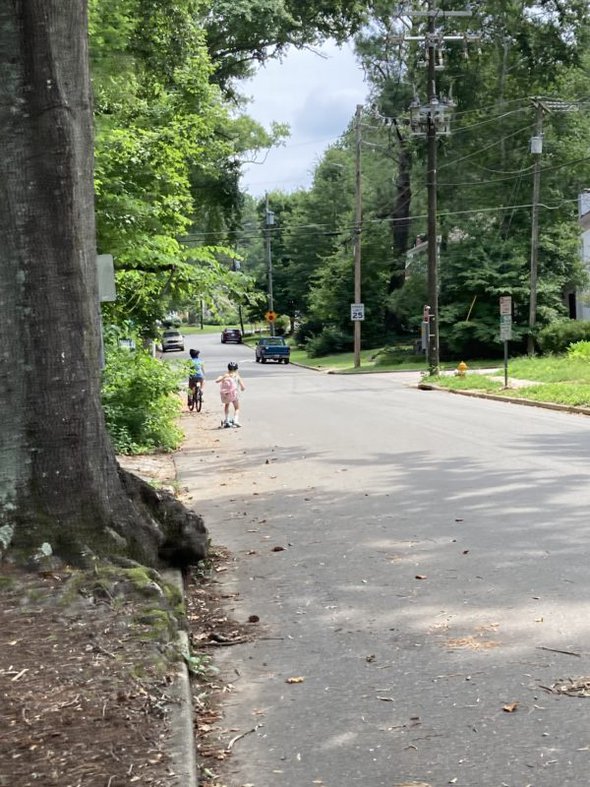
x=564, y=408
x=182, y=737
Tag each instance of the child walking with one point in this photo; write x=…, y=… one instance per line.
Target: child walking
x=231, y=385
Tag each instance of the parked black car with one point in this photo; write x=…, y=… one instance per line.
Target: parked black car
x=231, y=335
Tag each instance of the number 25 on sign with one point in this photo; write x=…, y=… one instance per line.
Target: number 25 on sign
x=357, y=311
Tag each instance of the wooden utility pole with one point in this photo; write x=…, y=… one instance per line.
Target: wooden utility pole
x=432, y=120
x=357, y=234
x=431, y=182
x=542, y=106
x=268, y=221
x=536, y=150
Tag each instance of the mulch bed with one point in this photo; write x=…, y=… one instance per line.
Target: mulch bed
x=84, y=690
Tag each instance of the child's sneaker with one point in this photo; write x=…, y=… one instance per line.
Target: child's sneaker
x=226, y=424
x=236, y=423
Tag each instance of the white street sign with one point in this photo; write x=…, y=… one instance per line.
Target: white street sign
x=106, y=277
x=505, y=332
x=357, y=311
x=506, y=304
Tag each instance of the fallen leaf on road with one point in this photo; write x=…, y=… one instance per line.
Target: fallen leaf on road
x=511, y=707
x=295, y=680
x=578, y=687
x=412, y=784
x=421, y=576
x=465, y=551
x=471, y=643
x=278, y=549
x=253, y=619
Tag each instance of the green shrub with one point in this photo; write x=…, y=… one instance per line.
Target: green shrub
x=579, y=351
x=329, y=340
x=398, y=354
x=282, y=325
x=306, y=330
x=140, y=400
x=557, y=337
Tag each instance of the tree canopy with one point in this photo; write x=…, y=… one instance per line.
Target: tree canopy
x=523, y=52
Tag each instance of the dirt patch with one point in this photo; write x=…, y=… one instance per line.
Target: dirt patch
x=85, y=675
x=86, y=670
x=471, y=643
x=84, y=690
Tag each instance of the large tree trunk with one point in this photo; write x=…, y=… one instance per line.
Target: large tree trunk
x=59, y=479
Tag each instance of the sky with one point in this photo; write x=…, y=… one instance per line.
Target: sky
x=317, y=97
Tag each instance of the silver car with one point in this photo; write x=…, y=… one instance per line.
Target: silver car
x=172, y=340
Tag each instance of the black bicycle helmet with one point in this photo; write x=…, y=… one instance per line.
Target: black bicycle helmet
x=194, y=353
x=232, y=366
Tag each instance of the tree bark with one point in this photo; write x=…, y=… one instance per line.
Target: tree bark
x=59, y=479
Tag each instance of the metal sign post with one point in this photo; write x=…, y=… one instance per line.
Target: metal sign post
x=505, y=330
x=425, y=334
x=107, y=292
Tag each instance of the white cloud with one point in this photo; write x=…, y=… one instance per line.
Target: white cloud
x=317, y=97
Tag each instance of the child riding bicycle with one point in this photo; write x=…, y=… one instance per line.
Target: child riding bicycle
x=197, y=373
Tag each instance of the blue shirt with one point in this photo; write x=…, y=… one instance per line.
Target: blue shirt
x=198, y=367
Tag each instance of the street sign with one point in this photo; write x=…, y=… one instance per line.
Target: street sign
x=270, y=316
x=505, y=331
x=505, y=319
x=357, y=311
x=106, y=278
x=506, y=305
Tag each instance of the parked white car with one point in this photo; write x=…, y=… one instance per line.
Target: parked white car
x=172, y=340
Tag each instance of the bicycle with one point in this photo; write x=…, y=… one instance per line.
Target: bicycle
x=195, y=396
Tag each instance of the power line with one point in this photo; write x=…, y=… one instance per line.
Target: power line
x=329, y=230
x=487, y=147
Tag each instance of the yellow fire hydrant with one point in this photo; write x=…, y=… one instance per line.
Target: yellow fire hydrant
x=461, y=369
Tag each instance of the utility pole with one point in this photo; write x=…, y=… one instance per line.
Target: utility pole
x=541, y=106
x=357, y=234
x=536, y=150
x=432, y=120
x=431, y=182
x=269, y=217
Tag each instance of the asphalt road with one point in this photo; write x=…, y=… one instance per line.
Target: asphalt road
x=435, y=561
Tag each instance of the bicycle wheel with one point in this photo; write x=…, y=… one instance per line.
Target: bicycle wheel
x=199, y=398
x=191, y=399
